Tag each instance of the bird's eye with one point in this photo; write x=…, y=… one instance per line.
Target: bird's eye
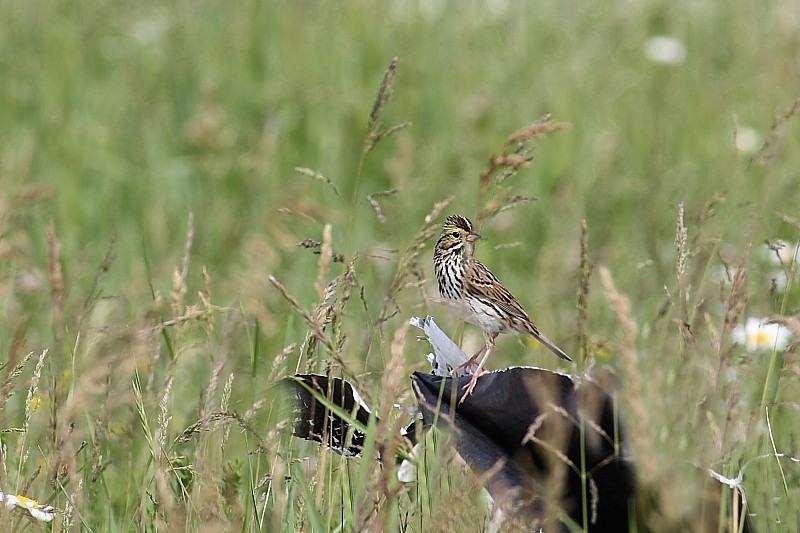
x=455, y=234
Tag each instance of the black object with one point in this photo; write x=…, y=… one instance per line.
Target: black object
x=314, y=420
x=489, y=429
x=520, y=430
x=523, y=430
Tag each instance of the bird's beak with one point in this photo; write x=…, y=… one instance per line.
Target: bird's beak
x=472, y=237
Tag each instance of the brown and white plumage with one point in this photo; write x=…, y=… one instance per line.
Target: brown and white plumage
x=477, y=294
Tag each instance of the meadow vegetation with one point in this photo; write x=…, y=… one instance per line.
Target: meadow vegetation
x=200, y=198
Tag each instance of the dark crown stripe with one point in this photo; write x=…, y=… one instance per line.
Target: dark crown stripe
x=457, y=221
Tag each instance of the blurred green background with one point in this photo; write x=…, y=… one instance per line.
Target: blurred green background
x=132, y=115
x=119, y=119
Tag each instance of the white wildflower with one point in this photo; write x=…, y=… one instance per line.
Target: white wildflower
x=780, y=252
x=747, y=140
x=759, y=335
x=498, y=8
x=148, y=30
x=778, y=281
x=43, y=513
x=665, y=50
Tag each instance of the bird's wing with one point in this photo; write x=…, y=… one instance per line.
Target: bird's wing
x=481, y=283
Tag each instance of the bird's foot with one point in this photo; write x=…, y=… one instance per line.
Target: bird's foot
x=472, y=361
x=469, y=387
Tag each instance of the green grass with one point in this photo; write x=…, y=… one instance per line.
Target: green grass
x=121, y=120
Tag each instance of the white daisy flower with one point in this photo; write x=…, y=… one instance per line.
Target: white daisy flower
x=758, y=335
x=780, y=252
x=498, y=8
x=747, y=140
x=778, y=281
x=148, y=30
x=43, y=513
x=665, y=50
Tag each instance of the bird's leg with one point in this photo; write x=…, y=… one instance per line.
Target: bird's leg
x=469, y=387
x=471, y=361
x=489, y=349
x=488, y=344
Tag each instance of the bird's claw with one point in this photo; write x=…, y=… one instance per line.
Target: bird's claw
x=473, y=361
x=469, y=387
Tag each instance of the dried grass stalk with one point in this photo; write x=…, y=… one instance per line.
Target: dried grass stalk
x=56, y=282
x=634, y=388
x=583, y=293
x=374, y=131
x=776, y=134
x=376, y=206
x=517, y=152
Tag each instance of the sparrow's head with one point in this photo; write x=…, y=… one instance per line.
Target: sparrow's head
x=458, y=235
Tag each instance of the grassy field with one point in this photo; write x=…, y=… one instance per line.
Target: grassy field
x=148, y=156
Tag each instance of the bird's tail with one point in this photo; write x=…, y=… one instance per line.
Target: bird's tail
x=547, y=342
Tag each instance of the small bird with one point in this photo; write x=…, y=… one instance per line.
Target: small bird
x=477, y=295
